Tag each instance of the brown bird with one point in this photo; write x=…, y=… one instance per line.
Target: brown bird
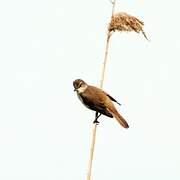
x=97, y=100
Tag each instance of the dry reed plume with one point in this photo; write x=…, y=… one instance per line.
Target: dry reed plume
x=125, y=22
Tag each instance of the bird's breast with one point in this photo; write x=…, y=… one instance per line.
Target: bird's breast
x=81, y=99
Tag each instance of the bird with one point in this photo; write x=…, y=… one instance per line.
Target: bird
x=98, y=100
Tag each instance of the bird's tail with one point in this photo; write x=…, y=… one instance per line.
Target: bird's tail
x=119, y=118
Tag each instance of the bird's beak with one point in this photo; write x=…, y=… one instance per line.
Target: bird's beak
x=75, y=90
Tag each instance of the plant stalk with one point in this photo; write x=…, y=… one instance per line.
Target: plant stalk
x=94, y=128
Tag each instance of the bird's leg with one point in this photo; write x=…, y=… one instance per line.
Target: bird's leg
x=96, y=117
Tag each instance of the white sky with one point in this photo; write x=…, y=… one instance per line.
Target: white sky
x=45, y=130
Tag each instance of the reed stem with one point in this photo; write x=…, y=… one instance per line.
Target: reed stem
x=94, y=128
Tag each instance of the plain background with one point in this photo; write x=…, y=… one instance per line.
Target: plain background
x=45, y=130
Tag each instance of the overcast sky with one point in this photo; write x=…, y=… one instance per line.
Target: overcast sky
x=45, y=130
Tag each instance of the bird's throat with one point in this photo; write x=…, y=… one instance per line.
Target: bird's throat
x=81, y=89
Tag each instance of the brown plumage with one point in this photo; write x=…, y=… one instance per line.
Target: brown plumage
x=97, y=100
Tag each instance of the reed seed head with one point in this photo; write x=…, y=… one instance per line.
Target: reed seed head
x=125, y=22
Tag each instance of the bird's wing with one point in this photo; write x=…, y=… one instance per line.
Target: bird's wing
x=95, y=101
x=112, y=99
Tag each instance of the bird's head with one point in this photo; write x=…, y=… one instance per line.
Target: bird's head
x=79, y=85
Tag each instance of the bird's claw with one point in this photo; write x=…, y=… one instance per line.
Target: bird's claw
x=96, y=121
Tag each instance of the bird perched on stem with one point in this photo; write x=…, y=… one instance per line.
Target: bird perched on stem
x=97, y=100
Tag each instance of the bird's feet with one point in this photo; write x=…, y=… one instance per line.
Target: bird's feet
x=96, y=121
x=96, y=118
